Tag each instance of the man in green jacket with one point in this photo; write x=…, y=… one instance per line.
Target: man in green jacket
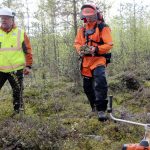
x=15, y=56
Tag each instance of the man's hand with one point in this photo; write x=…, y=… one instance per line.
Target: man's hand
x=92, y=50
x=26, y=70
x=85, y=49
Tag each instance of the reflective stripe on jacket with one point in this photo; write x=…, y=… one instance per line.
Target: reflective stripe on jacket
x=12, y=56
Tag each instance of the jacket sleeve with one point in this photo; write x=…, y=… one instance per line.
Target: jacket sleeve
x=78, y=41
x=26, y=45
x=107, y=40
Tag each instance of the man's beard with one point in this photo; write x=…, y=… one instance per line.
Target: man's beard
x=6, y=26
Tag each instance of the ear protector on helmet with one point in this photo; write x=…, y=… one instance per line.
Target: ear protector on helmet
x=99, y=16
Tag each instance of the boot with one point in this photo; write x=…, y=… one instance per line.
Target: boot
x=102, y=116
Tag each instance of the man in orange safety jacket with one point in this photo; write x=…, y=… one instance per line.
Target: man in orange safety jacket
x=95, y=35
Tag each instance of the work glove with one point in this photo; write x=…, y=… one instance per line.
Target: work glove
x=85, y=49
x=26, y=70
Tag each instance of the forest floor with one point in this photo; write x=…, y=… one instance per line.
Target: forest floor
x=58, y=117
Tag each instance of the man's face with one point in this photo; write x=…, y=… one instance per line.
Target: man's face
x=91, y=19
x=6, y=22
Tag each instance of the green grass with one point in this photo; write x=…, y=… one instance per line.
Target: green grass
x=57, y=116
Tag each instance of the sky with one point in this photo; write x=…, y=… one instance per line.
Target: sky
x=116, y=3
x=113, y=11
x=33, y=3
x=115, y=7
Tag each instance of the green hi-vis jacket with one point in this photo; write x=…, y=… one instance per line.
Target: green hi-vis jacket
x=12, y=57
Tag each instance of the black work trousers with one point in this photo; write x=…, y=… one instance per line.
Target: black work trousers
x=96, y=88
x=16, y=81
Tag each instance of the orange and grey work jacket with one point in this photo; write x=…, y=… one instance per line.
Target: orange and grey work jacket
x=91, y=62
x=15, y=50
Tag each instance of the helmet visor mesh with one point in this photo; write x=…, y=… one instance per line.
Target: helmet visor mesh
x=90, y=18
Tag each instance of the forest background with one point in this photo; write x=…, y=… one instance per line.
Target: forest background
x=56, y=109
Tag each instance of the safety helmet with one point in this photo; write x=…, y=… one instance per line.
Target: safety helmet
x=6, y=12
x=90, y=11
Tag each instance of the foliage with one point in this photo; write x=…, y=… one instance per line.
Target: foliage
x=59, y=117
x=57, y=113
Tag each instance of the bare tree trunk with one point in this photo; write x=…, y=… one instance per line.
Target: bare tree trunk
x=75, y=16
x=134, y=36
x=76, y=68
